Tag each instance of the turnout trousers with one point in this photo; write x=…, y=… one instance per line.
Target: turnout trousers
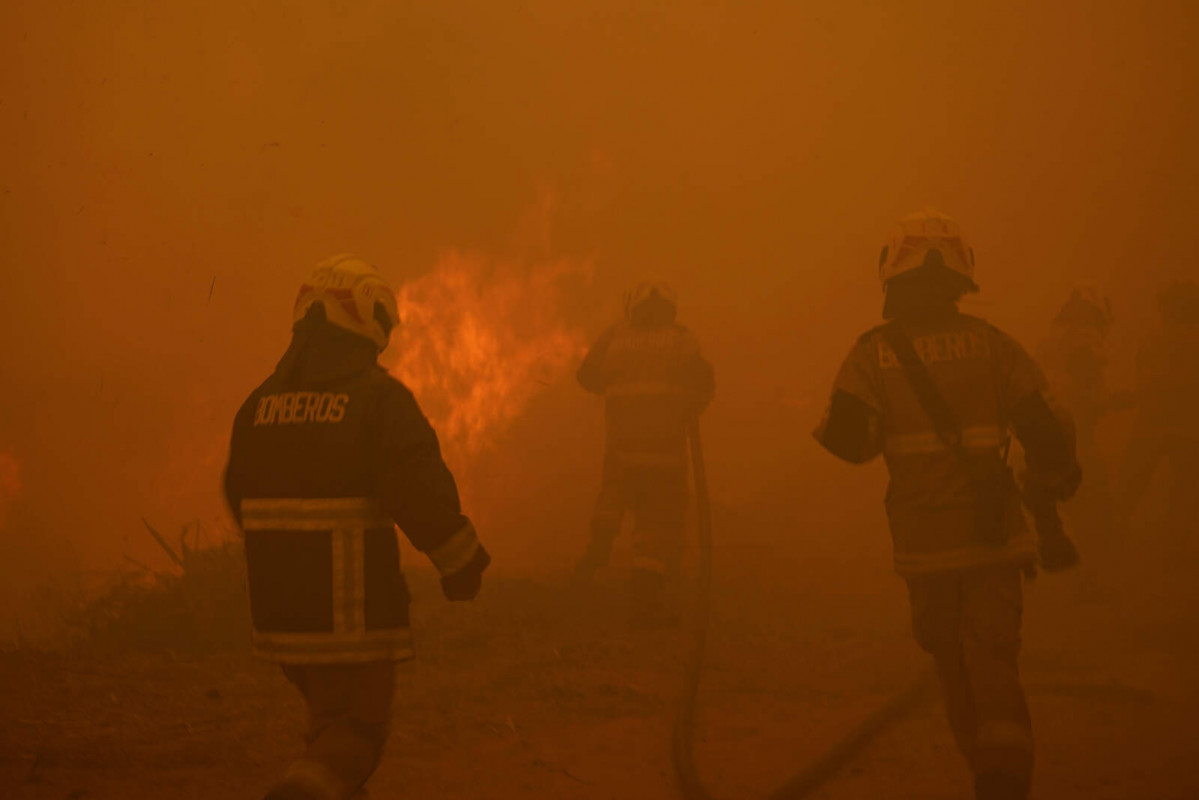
x=349, y=711
x=969, y=621
x=656, y=497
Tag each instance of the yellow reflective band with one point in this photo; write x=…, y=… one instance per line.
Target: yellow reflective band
x=646, y=388
x=355, y=597
x=979, y=437
x=456, y=552
x=1019, y=549
x=312, y=514
x=338, y=559
x=347, y=571
x=388, y=644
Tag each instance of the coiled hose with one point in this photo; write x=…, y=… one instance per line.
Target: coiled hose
x=816, y=772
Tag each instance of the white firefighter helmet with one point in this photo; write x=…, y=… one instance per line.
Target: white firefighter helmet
x=647, y=289
x=915, y=236
x=355, y=298
x=1086, y=305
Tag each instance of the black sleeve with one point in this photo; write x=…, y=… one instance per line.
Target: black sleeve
x=232, y=495
x=416, y=487
x=232, y=479
x=592, y=375
x=848, y=430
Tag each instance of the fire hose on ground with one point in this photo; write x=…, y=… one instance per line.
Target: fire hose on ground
x=816, y=772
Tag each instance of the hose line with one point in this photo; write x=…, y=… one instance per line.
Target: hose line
x=816, y=772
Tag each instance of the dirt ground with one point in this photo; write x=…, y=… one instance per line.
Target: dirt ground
x=537, y=691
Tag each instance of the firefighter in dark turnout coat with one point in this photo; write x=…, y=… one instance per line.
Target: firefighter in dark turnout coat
x=328, y=455
x=960, y=537
x=654, y=380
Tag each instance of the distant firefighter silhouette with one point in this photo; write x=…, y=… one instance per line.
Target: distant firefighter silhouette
x=1074, y=357
x=654, y=380
x=935, y=392
x=328, y=455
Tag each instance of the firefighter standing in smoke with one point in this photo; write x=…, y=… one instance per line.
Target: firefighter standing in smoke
x=1074, y=357
x=327, y=456
x=959, y=535
x=654, y=380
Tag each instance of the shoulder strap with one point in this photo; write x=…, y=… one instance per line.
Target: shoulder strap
x=945, y=423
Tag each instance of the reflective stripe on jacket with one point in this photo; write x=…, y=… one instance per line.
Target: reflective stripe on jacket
x=653, y=380
x=323, y=464
x=932, y=499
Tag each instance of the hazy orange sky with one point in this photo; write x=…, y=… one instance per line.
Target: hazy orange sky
x=754, y=153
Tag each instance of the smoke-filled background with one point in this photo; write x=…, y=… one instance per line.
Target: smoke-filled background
x=170, y=171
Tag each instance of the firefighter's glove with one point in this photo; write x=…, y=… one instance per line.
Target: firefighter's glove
x=1057, y=553
x=464, y=584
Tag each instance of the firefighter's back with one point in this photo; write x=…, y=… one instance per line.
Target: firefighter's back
x=327, y=457
x=321, y=552
x=935, y=392
x=649, y=399
x=932, y=502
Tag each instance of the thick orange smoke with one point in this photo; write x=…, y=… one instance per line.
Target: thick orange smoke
x=479, y=338
x=10, y=484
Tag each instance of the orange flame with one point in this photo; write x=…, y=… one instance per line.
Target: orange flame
x=478, y=339
x=10, y=484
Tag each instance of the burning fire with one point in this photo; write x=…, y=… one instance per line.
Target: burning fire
x=478, y=339
x=10, y=484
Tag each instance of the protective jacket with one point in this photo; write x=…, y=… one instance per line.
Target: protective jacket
x=992, y=386
x=327, y=456
x=653, y=380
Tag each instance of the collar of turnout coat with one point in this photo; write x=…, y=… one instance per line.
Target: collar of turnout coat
x=320, y=351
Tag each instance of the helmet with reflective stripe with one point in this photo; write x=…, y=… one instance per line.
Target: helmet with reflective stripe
x=647, y=290
x=1086, y=306
x=355, y=298
x=916, y=237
